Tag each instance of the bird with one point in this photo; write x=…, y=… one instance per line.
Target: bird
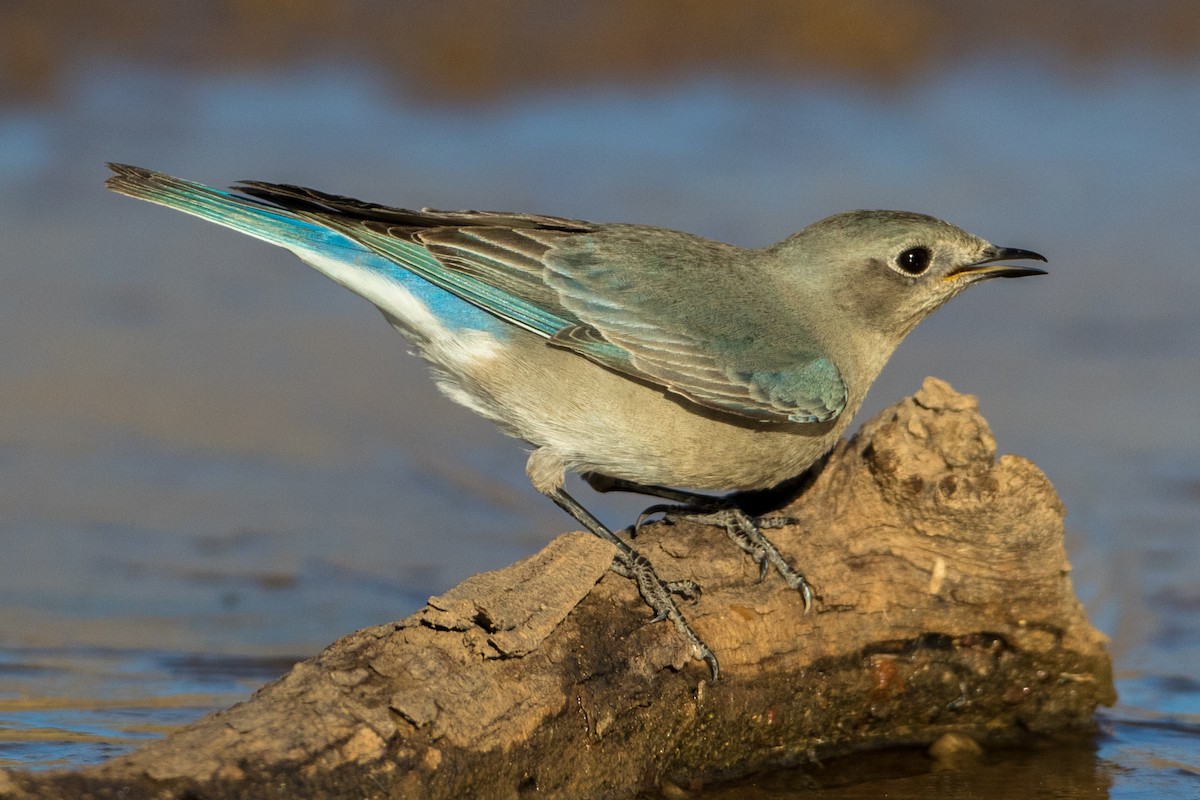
x=642, y=358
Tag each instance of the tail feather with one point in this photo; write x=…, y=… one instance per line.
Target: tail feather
x=406, y=287
x=243, y=214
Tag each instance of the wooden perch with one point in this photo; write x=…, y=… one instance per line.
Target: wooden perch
x=944, y=605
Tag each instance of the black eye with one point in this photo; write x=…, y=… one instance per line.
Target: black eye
x=914, y=260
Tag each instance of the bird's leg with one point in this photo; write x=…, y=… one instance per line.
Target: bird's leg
x=629, y=563
x=747, y=533
x=744, y=530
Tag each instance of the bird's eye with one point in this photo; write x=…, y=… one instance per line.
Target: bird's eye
x=914, y=260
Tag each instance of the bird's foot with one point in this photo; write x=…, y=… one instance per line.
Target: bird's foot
x=629, y=563
x=659, y=595
x=745, y=531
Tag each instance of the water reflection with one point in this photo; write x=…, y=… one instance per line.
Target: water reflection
x=1065, y=767
x=60, y=708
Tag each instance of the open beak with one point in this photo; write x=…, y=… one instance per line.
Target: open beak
x=987, y=267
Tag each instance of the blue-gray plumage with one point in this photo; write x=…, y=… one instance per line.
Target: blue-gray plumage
x=640, y=357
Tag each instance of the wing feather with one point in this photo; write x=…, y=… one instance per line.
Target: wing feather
x=614, y=294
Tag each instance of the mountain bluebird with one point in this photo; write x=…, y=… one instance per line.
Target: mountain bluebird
x=640, y=357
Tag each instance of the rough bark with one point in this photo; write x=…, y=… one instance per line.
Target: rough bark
x=944, y=606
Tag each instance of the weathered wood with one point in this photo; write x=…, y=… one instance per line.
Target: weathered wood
x=944, y=606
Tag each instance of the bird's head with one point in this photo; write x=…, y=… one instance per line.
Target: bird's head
x=887, y=270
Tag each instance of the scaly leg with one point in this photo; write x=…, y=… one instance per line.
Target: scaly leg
x=631, y=564
x=744, y=530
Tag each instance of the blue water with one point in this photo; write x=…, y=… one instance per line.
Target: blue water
x=210, y=452
x=73, y=706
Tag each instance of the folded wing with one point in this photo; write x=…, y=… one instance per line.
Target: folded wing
x=618, y=295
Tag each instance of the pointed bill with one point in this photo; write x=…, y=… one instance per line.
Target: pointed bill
x=988, y=266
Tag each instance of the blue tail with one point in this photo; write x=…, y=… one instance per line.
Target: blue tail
x=243, y=214
x=383, y=281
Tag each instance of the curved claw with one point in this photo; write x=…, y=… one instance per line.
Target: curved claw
x=764, y=568
x=807, y=594
x=712, y=664
x=660, y=508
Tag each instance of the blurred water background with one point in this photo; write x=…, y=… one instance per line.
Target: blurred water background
x=213, y=461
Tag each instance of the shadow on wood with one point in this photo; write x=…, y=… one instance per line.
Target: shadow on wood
x=944, y=606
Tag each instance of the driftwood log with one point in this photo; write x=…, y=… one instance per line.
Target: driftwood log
x=944, y=606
